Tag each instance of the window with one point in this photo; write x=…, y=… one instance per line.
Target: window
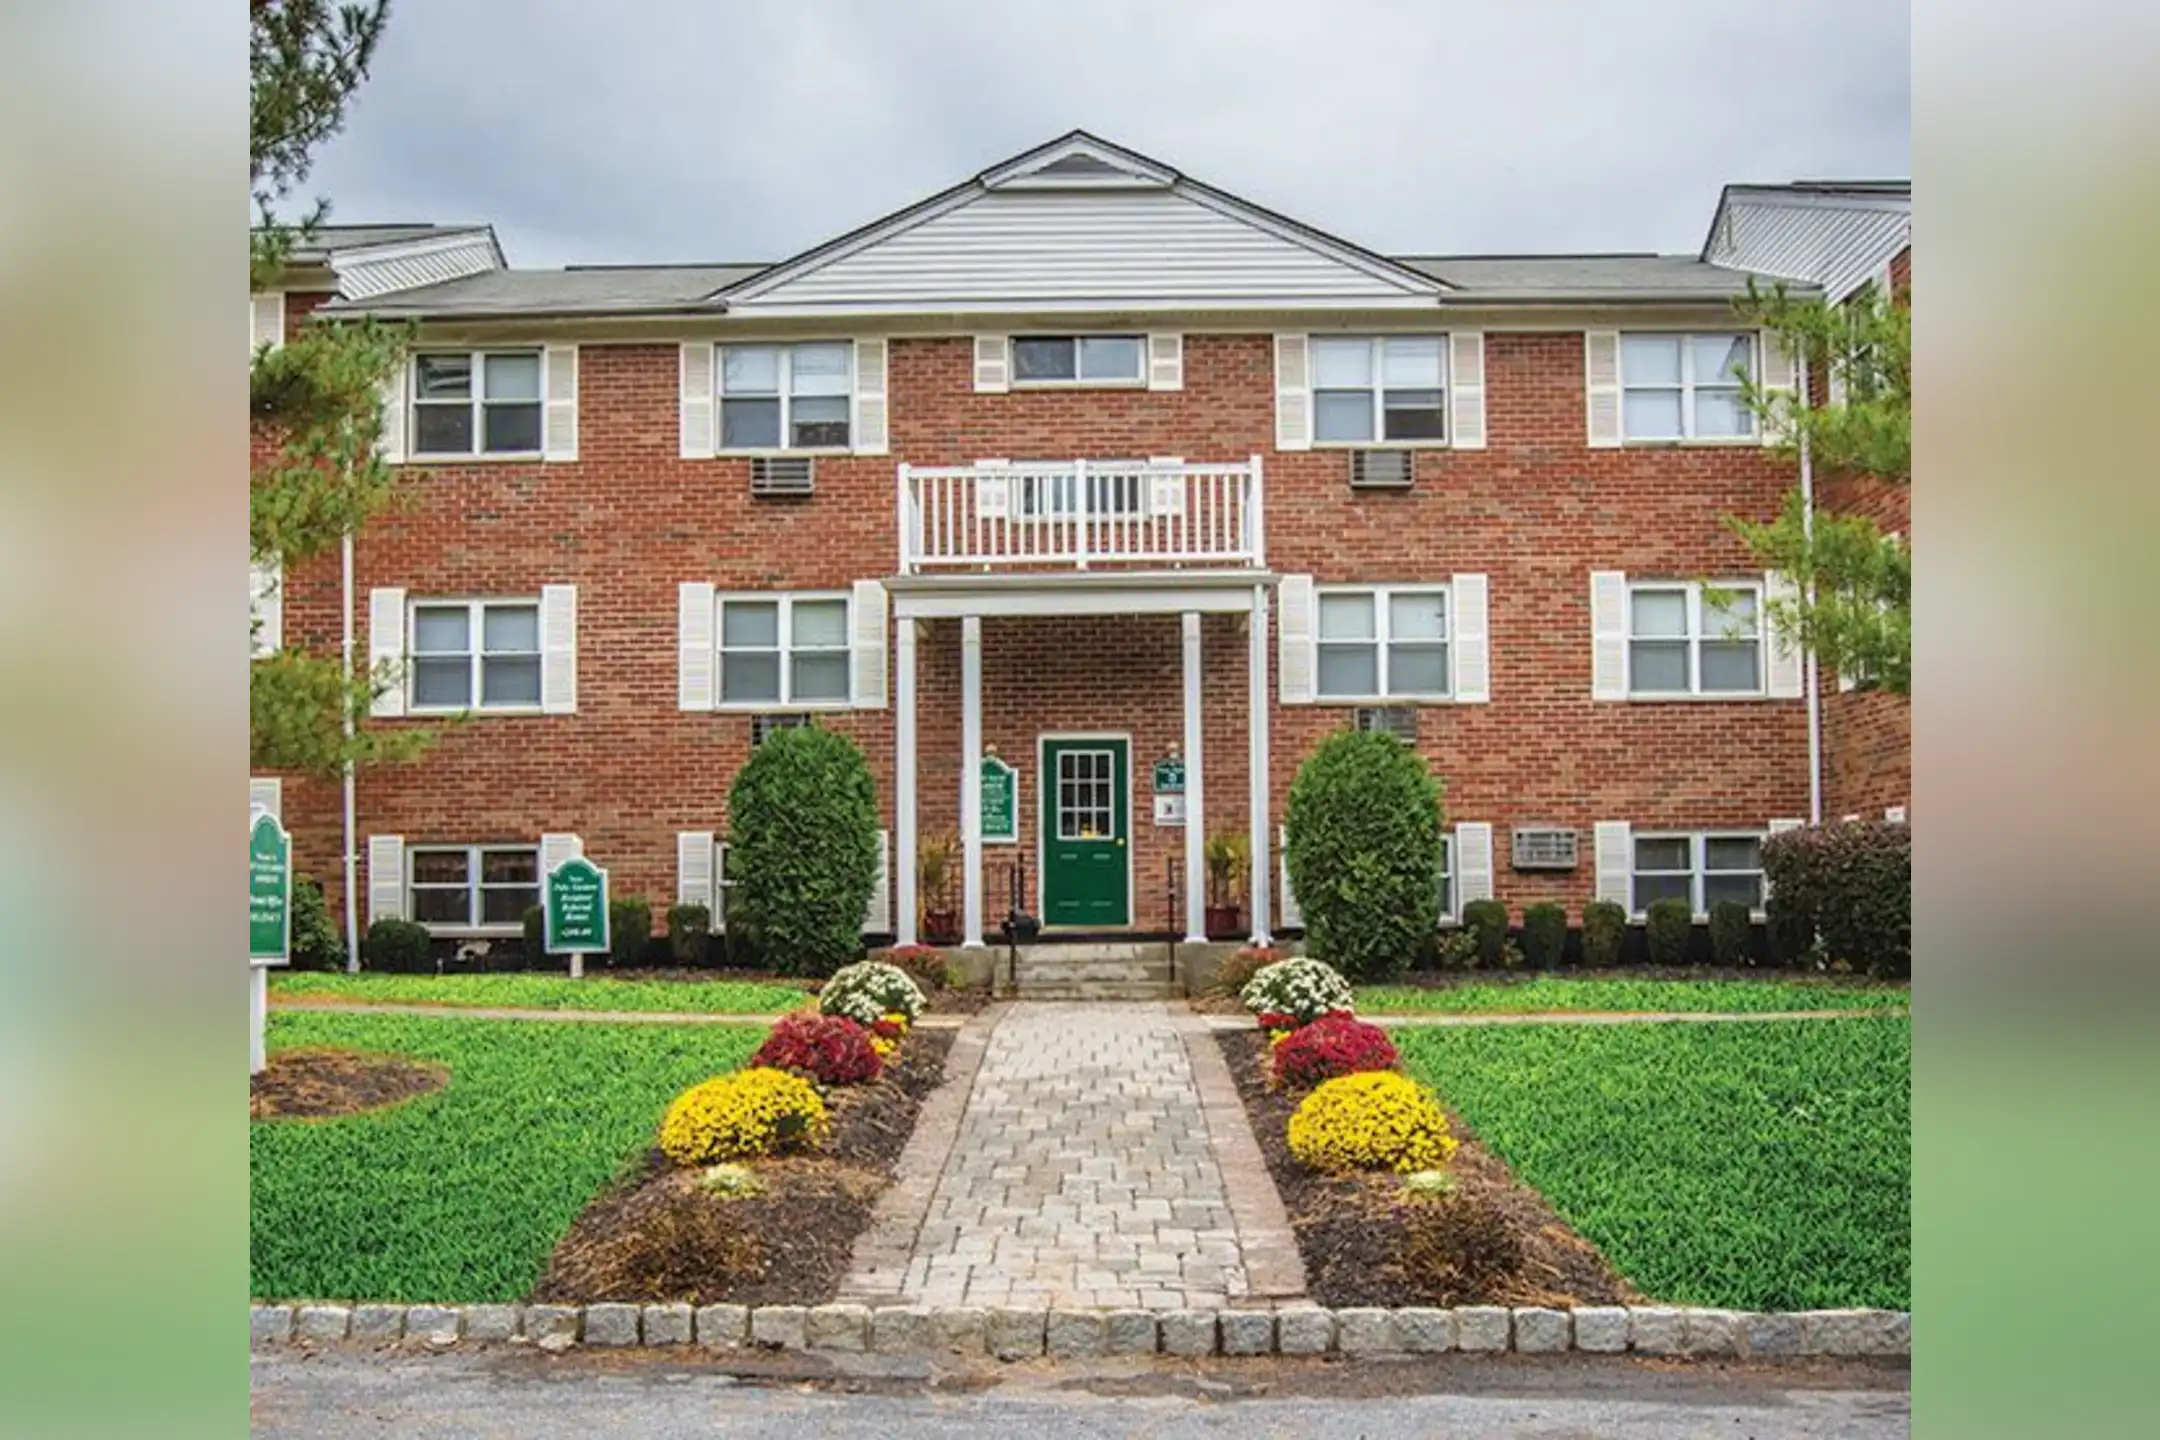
x=1052, y=490
x=1690, y=639
x=1702, y=869
x=1079, y=359
x=484, y=402
x=1385, y=643
x=468, y=886
x=1685, y=387
x=1368, y=388
x=475, y=655
x=785, y=397
x=784, y=650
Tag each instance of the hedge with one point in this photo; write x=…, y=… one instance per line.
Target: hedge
x=1362, y=845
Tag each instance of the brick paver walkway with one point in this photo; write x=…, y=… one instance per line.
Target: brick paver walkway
x=1083, y=1175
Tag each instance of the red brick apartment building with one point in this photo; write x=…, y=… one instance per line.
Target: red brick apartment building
x=1084, y=465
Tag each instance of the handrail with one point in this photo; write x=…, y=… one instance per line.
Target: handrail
x=1079, y=514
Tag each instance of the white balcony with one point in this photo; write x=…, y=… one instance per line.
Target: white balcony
x=1080, y=515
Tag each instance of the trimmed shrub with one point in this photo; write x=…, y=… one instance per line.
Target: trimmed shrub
x=1604, y=929
x=1488, y=921
x=1378, y=1120
x=1851, y=885
x=830, y=1049
x=689, y=931
x=922, y=964
x=1544, y=935
x=802, y=849
x=629, y=922
x=869, y=990
x=1363, y=850
x=1335, y=1044
x=1732, y=928
x=317, y=943
x=742, y=1116
x=1237, y=971
x=397, y=945
x=1457, y=950
x=1666, y=928
x=1302, y=989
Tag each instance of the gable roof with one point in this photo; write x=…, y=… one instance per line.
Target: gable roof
x=1838, y=234
x=582, y=290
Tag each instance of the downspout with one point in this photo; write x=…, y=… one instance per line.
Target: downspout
x=1814, y=671
x=352, y=855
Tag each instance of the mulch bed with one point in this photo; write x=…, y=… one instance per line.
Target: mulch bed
x=659, y=1236
x=1495, y=1241
x=958, y=1002
x=321, y=1084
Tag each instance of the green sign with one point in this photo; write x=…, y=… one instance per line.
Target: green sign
x=269, y=891
x=1170, y=776
x=577, y=918
x=1000, y=802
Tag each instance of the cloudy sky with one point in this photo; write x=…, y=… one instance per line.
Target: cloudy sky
x=711, y=130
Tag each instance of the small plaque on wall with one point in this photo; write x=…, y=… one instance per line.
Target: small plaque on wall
x=1170, y=809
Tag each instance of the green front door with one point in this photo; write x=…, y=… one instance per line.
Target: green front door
x=1086, y=867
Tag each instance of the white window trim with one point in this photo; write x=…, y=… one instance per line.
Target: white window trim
x=1377, y=341
x=1384, y=642
x=1137, y=381
x=1695, y=638
x=1698, y=857
x=1687, y=387
x=786, y=600
x=473, y=886
x=476, y=608
x=476, y=402
x=786, y=397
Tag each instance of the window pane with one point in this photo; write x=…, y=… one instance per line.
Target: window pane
x=509, y=867
x=438, y=867
x=440, y=628
x=1418, y=616
x=1657, y=666
x=1041, y=359
x=511, y=429
x=442, y=683
x=1663, y=852
x=1650, y=359
x=1342, y=415
x=1651, y=888
x=1346, y=617
x=820, y=421
x=1747, y=889
x=1732, y=852
x=749, y=424
x=1657, y=614
x=1349, y=670
x=442, y=907
x=442, y=377
x=1730, y=615
x=511, y=377
x=820, y=623
x=1109, y=357
x=510, y=682
x=1720, y=359
x=442, y=429
x=506, y=905
x=750, y=624
x=749, y=678
x=1407, y=421
x=510, y=627
x=1417, y=670
x=1729, y=666
x=821, y=677
x=1411, y=362
x=749, y=370
x=1340, y=364
x=820, y=370
x=1720, y=413
x=1652, y=414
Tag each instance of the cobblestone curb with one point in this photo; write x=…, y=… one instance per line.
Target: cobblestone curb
x=1020, y=1333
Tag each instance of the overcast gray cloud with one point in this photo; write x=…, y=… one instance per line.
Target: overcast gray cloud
x=665, y=130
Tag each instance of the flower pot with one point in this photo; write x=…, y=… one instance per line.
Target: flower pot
x=1223, y=922
x=941, y=927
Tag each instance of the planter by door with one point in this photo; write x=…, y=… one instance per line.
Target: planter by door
x=1086, y=831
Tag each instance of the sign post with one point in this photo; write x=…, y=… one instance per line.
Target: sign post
x=577, y=911
x=269, y=921
x=1000, y=802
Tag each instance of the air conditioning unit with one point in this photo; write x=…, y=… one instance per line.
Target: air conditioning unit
x=1542, y=847
x=777, y=477
x=764, y=725
x=1397, y=720
x=1382, y=469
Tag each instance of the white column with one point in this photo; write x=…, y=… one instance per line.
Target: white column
x=904, y=781
x=258, y=1014
x=1263, y=869
x=971, y=744
x=1195, y=805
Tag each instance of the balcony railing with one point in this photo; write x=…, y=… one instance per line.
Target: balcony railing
x=1080, y=514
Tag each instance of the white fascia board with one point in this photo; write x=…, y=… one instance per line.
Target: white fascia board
x=951, y=311
x=876, y=232
x=936, y=597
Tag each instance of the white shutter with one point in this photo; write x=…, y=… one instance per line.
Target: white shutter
x=993, y=493
x=559, y=426
x=558, y=649
x=1166, y=362
x=385, y=878
x=1780, y=376
x=386, y=649
x=868, y=615
x=1473, y=863
x=993, y=364
x=266, y=792
x=877, y=920
x=1165, y=495
x=266, y=606
x=554, y=849
x=694, y=853
x=266, y=320
x=872, y=423
x=1782, y=676
x=696, y=373
x=1293, y=394
x=1466, y=390
x=1608, y=634
x=1292, y=917
x=1601, y=381
x=1294, y=640
x=694, y=653
x=719, y=885
x=1614, y=853
x=1473, y=650
x=390, y=442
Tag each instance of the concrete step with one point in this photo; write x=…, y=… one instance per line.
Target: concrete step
x=1080, y=970
x=1098, y=990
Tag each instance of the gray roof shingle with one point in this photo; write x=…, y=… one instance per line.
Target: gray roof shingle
x=586, y=290
x=1581, y=277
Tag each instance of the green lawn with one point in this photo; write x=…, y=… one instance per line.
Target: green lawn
x=548, y=992
x=1760, y=1166
x=1546, y=993
x=460, y=1195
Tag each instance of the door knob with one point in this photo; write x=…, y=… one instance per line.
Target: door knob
x=1121, y=842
